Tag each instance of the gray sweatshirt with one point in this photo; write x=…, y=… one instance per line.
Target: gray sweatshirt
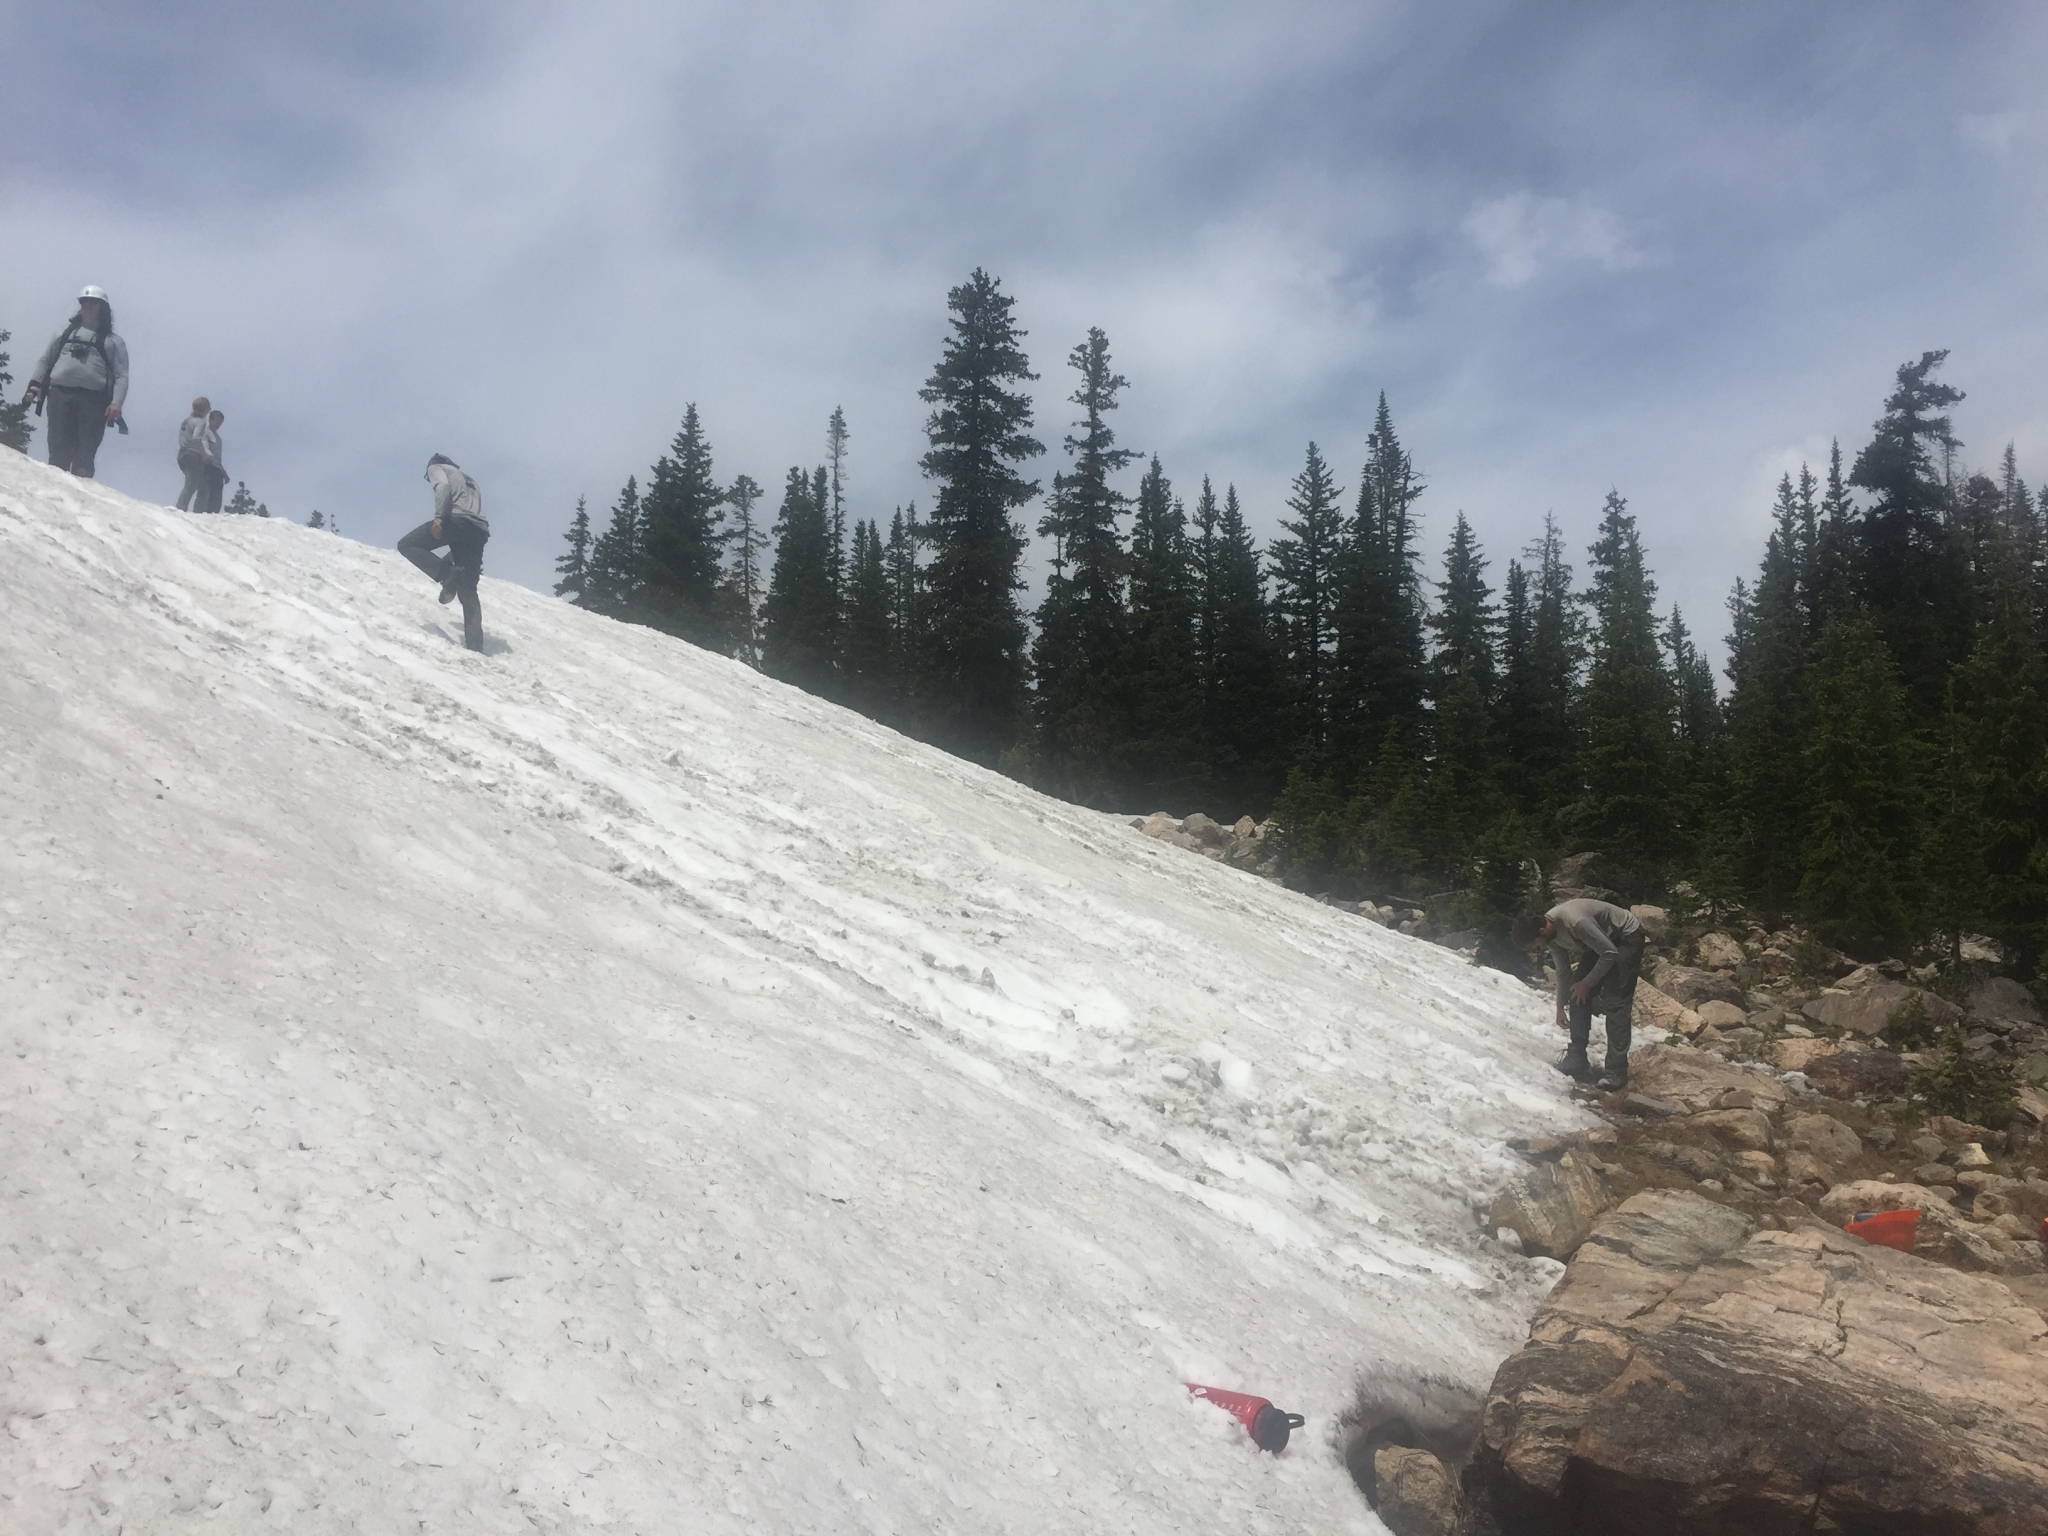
x=192, y=436
x=1586, y=926
x=455, y=495
x=83, y=365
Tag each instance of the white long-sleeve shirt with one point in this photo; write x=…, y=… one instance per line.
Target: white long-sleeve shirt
x=1586, y=926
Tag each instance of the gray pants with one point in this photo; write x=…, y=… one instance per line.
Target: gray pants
x=195, y=481
x=460, y=568
x=77, y=421
x=1615, y=997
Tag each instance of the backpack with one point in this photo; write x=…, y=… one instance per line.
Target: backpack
x=99, y=344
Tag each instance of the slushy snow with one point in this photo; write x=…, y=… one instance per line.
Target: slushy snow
x=590, y=1086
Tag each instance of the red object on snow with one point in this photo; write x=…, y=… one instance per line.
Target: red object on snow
x=1887, y=1229
x=1267, y=1425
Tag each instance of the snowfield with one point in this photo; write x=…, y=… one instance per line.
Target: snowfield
x=589, y=1086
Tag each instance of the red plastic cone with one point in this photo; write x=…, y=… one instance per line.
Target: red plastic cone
x=1267, y=1425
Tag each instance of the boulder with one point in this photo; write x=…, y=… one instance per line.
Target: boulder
x=1858, y=1074
x=2024, y=1198
x=1693, y=1080
x=1656, y=1014
x=1805, y=1168
x=1205, y=831
x=1774, y=963
x=1158, y=824
x=1825, y=1137
x=1686, y=1377
x=1843, y=1201
x=1552, y=1206
x=1719, y=952
x=1865, y=1010
x=1799, y=1055
x=1416, y=1492
x=2032, y=1103
x=1656, y=922
x=1956, y=1133
x=1722, y=1015
x=2000, y=997
x=1693, y=987
x=1744, y=1128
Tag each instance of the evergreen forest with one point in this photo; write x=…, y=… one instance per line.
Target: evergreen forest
x=1423, y=720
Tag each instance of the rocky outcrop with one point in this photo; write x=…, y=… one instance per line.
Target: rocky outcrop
x=1689, y=1375
x=1866, y=1010
x=1693, y=987
x=1550, y=1209
x=1656, y=1014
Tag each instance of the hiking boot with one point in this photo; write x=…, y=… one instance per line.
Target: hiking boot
x=1615, y=1078
x=448, y=588
x=457, y=578
x=1573, y=1064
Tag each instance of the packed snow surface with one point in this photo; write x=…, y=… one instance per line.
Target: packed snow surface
x=588, y=1085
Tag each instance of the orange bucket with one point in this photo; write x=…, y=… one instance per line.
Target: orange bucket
x=1887, y=1229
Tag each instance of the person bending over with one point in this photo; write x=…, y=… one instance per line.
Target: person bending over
x=458, y=525
x=1597, y=951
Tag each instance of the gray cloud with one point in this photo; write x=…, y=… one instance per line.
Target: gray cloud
x=1664, y=249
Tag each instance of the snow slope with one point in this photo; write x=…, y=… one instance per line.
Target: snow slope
x=590, y=1086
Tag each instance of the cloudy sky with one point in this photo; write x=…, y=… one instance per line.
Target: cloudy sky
x=1666, y=249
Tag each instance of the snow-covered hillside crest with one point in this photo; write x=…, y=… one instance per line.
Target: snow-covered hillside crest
x=589, y=1085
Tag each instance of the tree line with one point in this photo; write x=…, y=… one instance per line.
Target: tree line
x=1877, y=766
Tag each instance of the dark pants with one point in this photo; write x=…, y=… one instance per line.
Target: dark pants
x=77, y=421
x=1615, y=997
x=195, y=481
x=460, y=568
x=216, y=483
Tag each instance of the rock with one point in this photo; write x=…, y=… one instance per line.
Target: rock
x=1552, y=1206
x=1956, y=1132
x=1656, y=1014
x=1843, y=1201
x=1757, y=1167
x=1866, y=1010
x=1932, y=1174
x=1205, y=831
x=1644, y=1104
x=1859, y=1074
x=1825, y=1137
x=2025, y=1198
x=1683, y=1380
x=1245, y=827
x=1799, y=1055
x=1719, y=952
x=1805, y=1168
x=1417, y=1495
x=1749, y=1128
x=1972, y=1156
x=1656, y=922
x=2032, y=1103
x=1158, y=824
x=1693, y=987
x=1722, y=1015
x=2000, y=997
x=1775, y=963
x=1695, y=1080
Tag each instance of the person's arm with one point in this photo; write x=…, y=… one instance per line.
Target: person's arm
x=1561, y=962
x=444, y=497
x=40, y=379
x=117, y=359
x=1594, y=937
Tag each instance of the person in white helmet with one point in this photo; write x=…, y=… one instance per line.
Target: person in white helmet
x=82, y=381
x=458, y=524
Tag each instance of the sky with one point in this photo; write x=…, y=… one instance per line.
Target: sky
x=1670, y=251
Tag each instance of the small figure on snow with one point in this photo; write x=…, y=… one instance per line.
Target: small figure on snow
x=1597, y=950
x=459, y=525
x=215, y=473
x=192, y=453
x=82, y=379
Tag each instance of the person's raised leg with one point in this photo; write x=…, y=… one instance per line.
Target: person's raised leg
x=420, y=548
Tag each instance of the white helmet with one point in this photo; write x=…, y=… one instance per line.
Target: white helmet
x=93, y=291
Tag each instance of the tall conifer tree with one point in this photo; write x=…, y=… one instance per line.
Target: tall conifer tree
x=573, y=564
x=1379, y=683
x=680, y=542
x=974, y=673
x=612, y=584
x=1240, y=659
x=1306, y=562
x=1162, y=752
x=800, y=617
x=748, y=540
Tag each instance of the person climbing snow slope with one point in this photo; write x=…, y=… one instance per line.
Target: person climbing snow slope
x=82, y=379
x=458, y=524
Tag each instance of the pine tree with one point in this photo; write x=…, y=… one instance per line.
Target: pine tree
x=869, y=650
x=1240, y=664
x=1625, y=808
x=974, y=672
x=1379, y=681
x=15, y=426
x=1542, y=650
x=1463, y=795
x=1909, y=568
x=743, y=576
x=1465, y=620
x=1697, y=789
x=612, y=581
x=906, y=606
x=1081, y=622
x=1831, y=579
x=1305, y=571
x=1162, y=752
x=836, y=439
x=245, y=505
x=317, y=520
x=1862, y=850
x=573, y=564
x=680, y=542
x=800, y=618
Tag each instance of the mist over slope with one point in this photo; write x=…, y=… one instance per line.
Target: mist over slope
x=589, y=1085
